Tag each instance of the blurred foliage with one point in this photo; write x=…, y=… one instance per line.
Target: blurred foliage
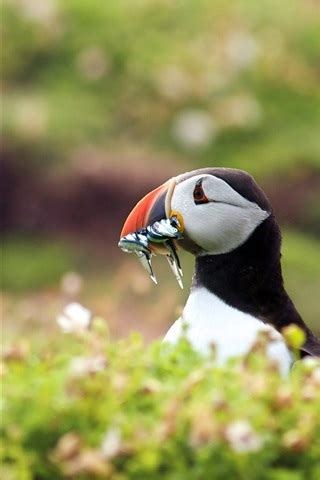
x=294, y=248
x=221, y=83
x=31, y=263
x=80, y=406
x=38, y=263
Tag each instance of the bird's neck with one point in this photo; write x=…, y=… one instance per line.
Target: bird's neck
x=250, y=279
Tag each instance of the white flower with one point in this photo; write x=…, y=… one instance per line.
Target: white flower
x=193, y=129
x=82, y=366
x=75, y=317
x=111, y=443
x=241, y=49
x=242, y=437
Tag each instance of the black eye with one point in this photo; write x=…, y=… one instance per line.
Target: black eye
x=198, y=194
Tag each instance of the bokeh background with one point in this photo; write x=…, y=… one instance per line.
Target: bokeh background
x=105, y=100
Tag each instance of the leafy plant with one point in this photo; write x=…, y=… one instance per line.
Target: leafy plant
x=82, y=406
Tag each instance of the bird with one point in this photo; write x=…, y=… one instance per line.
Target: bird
x=225, y=220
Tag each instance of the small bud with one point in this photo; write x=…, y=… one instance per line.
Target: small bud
x=283, y=397
x=295, y=441
x=68, y=446
x=294, y=336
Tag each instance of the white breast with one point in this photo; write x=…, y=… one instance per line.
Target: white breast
x=207, y=320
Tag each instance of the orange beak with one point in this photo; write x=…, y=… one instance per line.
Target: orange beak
x=153, y=207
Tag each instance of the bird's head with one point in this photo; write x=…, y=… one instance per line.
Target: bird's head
x=223, y=217
x=217, y=210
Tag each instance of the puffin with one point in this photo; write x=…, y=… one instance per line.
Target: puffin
x=224, y=219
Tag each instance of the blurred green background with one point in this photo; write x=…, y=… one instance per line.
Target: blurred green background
x=105, y=100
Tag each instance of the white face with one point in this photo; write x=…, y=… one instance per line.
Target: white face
x=223, y=223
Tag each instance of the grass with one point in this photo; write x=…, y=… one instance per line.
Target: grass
x=31, y=263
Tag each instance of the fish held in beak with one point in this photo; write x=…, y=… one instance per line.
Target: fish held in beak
x=153, y=228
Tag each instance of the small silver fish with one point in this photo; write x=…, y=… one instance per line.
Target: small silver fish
x=134, y=242
x=161, y=232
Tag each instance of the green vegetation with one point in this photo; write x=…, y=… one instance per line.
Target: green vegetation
x=223, y=83
x=83, y=407
x=301, y=270
x=31, y=263
x=89, y=84
x=301, y=253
